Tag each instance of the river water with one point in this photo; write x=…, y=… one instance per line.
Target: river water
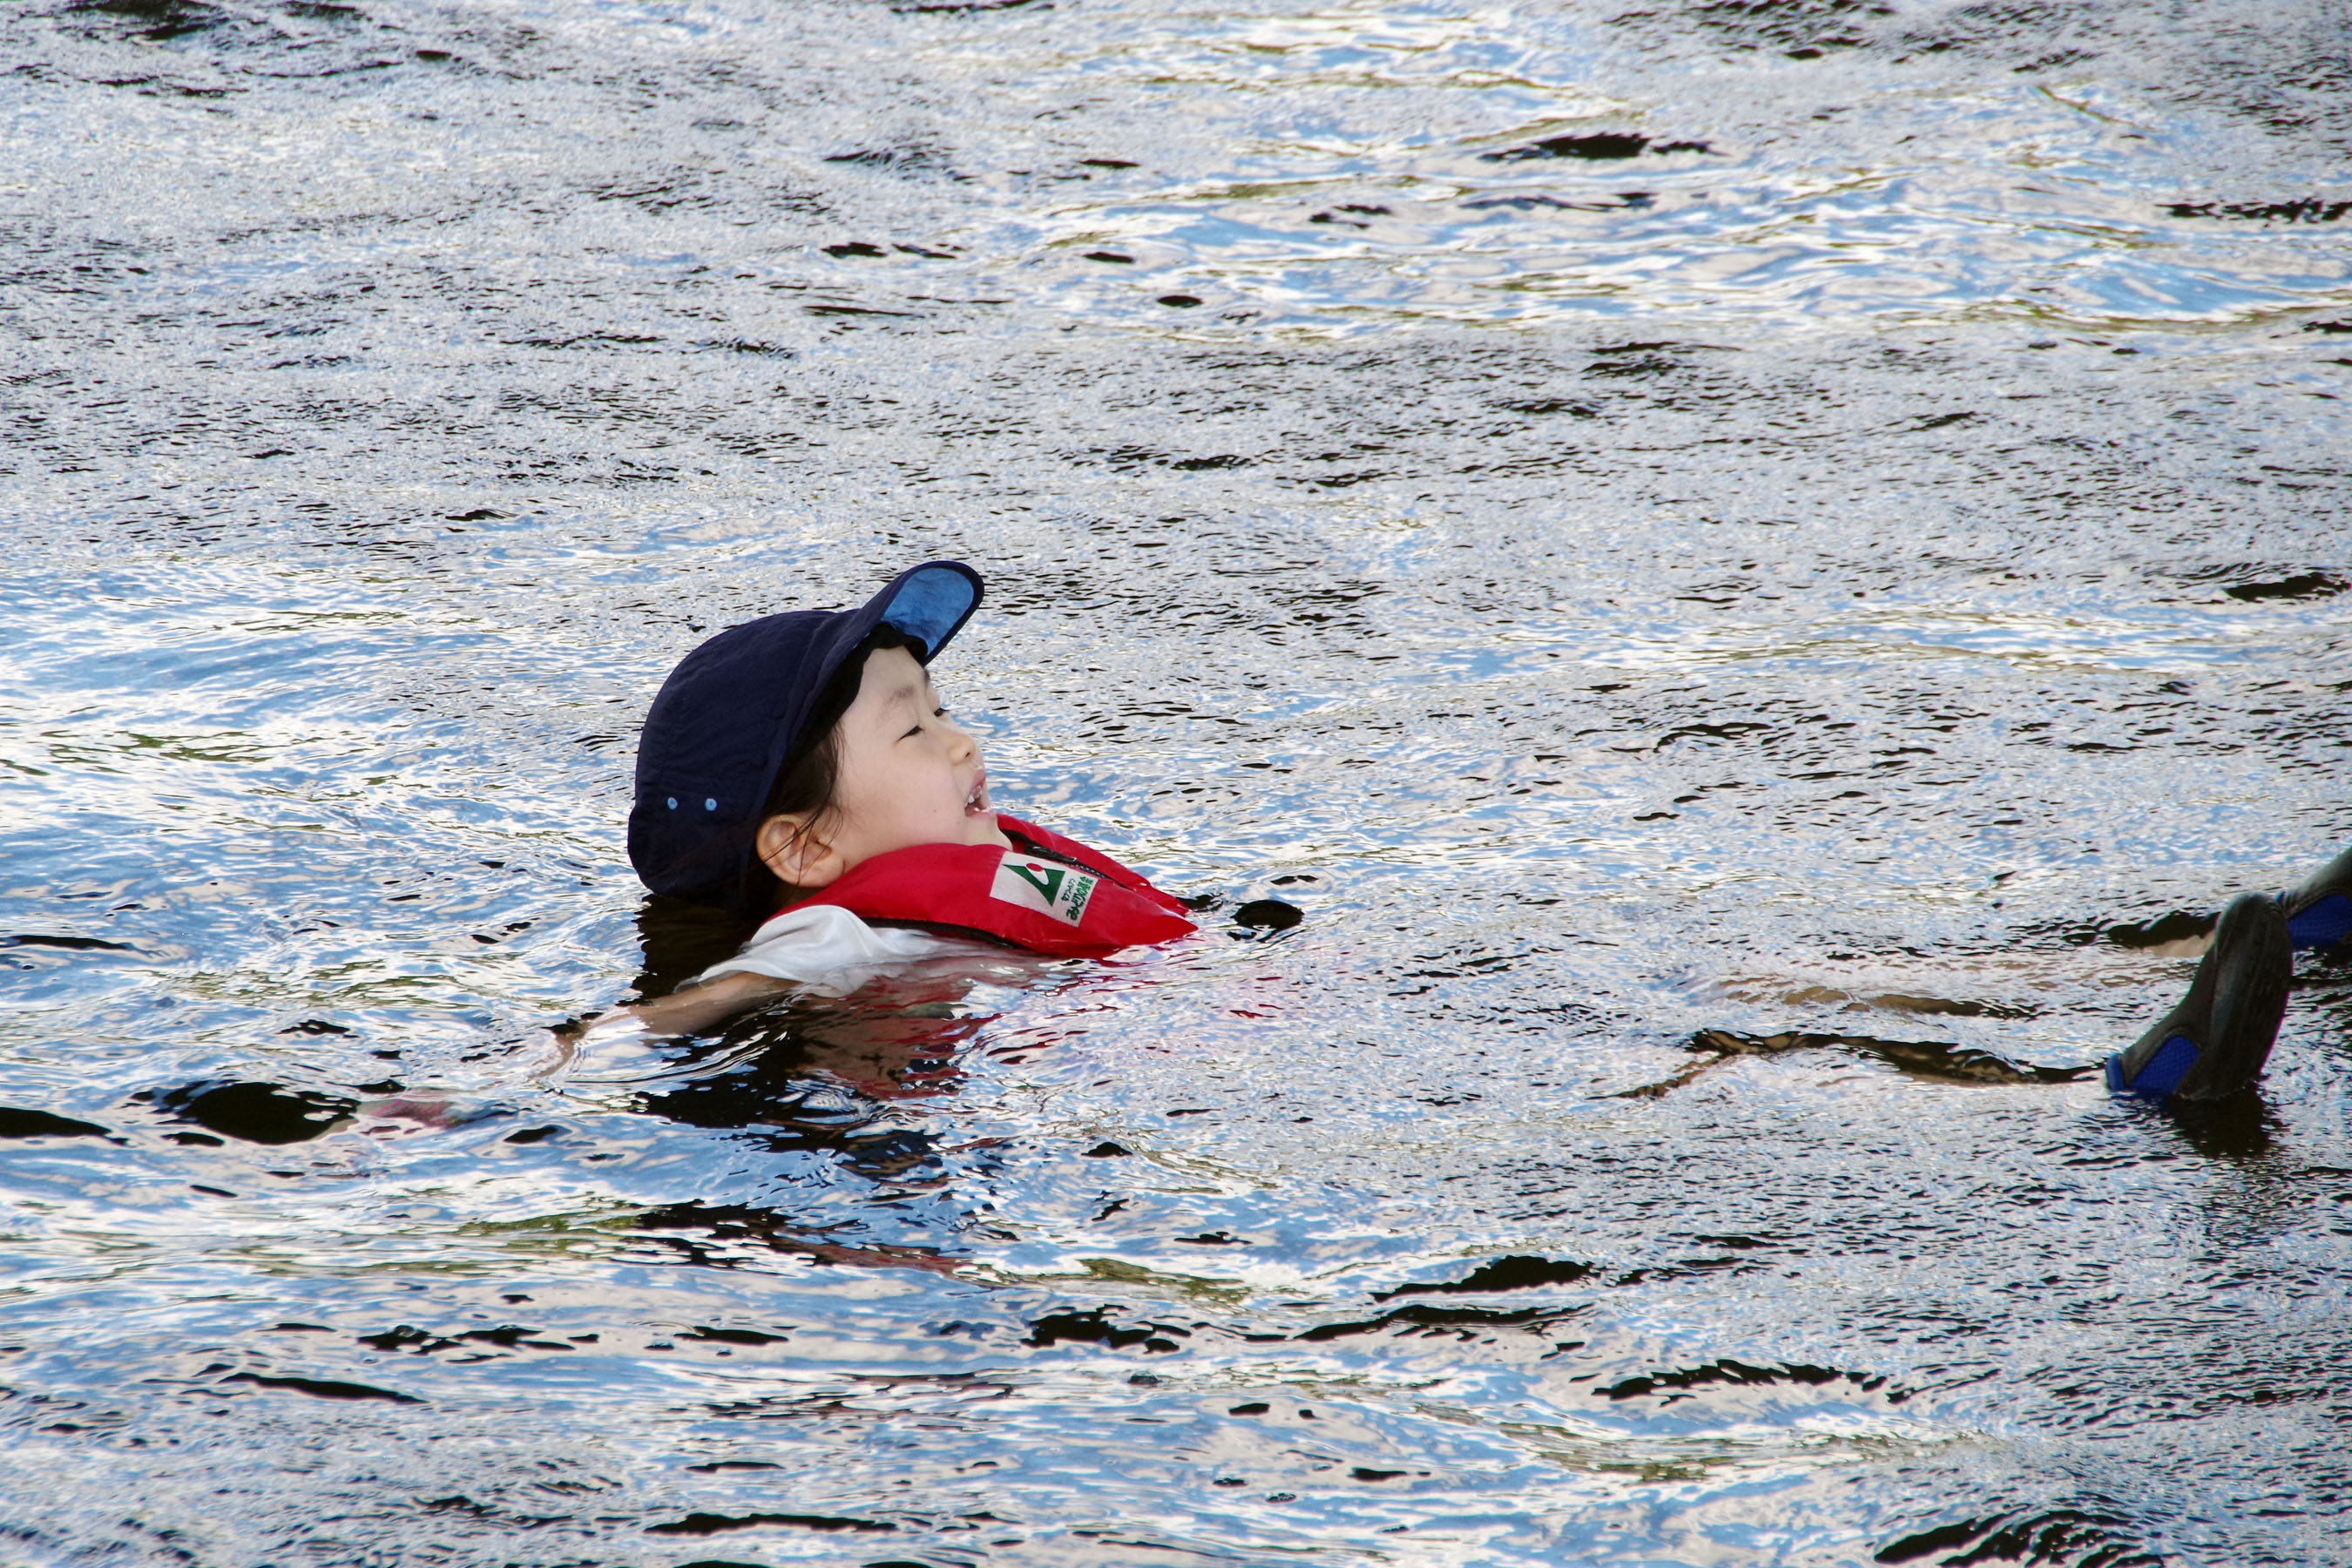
x=1825, y=520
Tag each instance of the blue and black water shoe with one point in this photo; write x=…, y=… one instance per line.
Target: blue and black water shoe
x=2213, y=1045
x=2319, y=911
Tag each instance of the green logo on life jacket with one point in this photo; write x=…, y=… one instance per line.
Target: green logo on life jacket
x=1046, y=879
x=1060, y=892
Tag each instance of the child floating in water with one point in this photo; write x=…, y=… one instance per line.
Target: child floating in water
x=802, y=764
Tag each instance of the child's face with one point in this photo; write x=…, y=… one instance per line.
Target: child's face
x=908, y=775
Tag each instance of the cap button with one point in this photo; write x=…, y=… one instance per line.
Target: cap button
x=673, y=803
x=711, y=805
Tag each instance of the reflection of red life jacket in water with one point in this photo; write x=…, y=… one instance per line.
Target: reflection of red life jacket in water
x=1047, y=893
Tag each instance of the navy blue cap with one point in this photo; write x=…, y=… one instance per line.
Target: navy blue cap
x=732, y=712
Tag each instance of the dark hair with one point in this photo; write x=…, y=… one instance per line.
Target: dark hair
x=806, y=784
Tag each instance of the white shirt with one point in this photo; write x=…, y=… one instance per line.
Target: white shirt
x=820, y=948
x=829, y=951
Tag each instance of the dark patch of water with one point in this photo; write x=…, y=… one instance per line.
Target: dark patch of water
x=255, y=1112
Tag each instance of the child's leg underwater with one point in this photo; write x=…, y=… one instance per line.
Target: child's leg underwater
x=2215, y=1043
x=2210, y=1048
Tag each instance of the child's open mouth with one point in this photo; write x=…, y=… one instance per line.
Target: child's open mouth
x=976, y=803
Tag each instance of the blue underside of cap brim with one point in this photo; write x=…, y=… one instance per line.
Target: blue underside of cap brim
x=931, y=605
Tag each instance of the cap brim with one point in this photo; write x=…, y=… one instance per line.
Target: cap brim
x=930, y=602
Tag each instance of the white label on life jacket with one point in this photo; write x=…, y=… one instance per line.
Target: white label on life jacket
x=1045, y=885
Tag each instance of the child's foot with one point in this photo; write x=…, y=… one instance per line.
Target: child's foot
x=2319, y=912
x=2215, y=1043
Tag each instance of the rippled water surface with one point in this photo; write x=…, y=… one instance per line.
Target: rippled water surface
x=1823, y=519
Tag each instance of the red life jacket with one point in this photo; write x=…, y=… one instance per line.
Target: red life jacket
x=1047, y=893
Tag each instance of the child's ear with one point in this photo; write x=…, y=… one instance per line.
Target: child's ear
x=788, y=846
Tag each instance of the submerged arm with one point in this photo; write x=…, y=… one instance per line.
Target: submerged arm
x=616, y=1039
x=697, y=1008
